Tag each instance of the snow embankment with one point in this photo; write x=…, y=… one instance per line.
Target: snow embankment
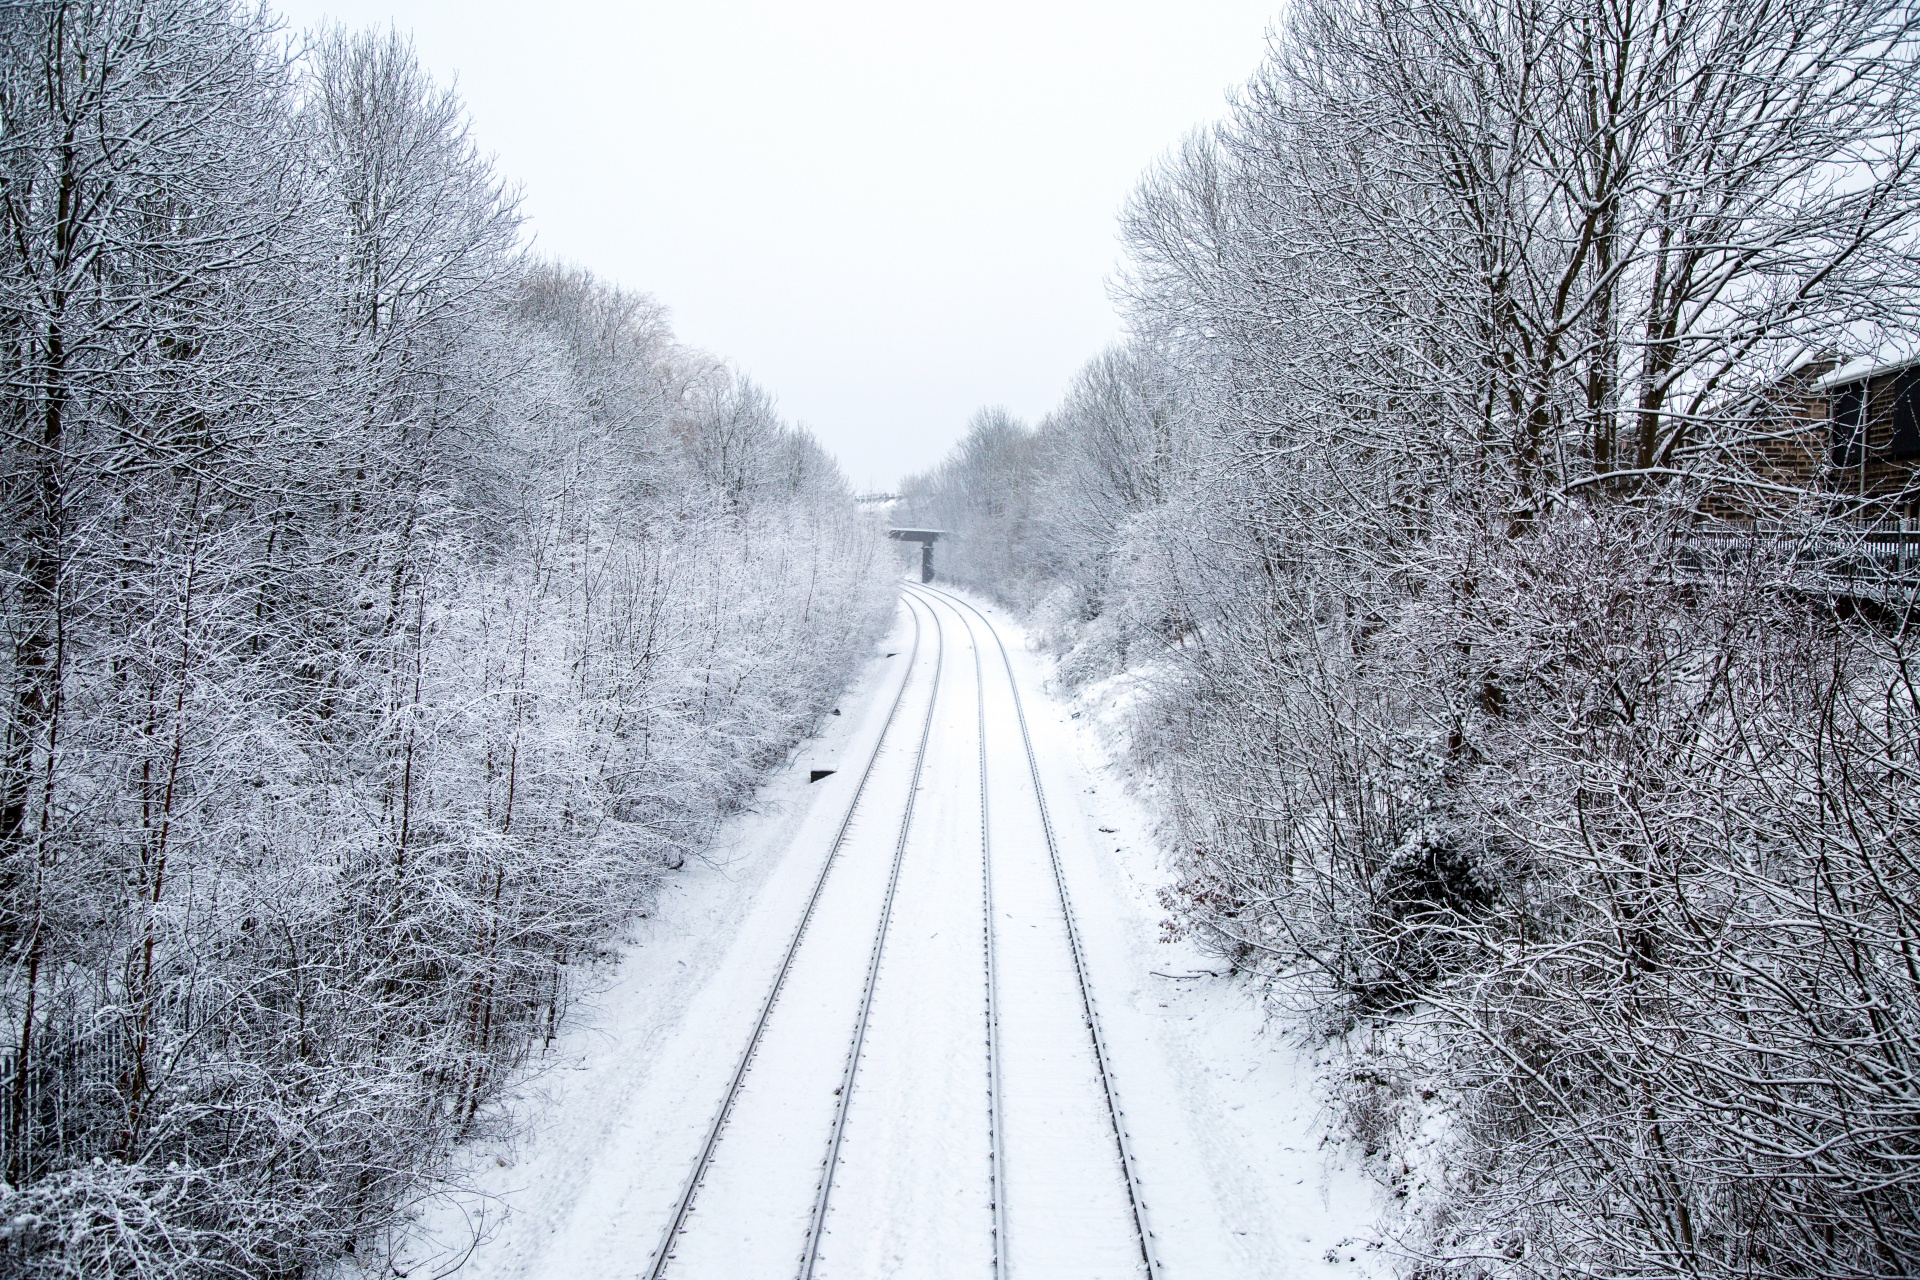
x=1244, y=1174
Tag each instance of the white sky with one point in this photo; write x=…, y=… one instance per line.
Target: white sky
x=889, y=214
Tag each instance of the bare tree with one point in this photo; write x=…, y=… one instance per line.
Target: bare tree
x=1472, y=316
x=378, y=633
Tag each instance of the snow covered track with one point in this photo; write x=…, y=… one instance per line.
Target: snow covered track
x=1115, y=1115
x=863, y=1039
x=995, y=1122
x=664, y=1254
x=971, y=1124
x=816, y=1228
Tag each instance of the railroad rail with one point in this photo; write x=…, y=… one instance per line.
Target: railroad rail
x=810, y=1255
x=1123, y=1145
x=996, y=1150
x=996, y=1175
x=676, y=1224
x=934, y=602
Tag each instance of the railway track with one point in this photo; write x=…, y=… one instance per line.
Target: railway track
x=996, y=1175
x=936, y=604
x=810, y=1256
x=677, y=1223
x=1123, y=1145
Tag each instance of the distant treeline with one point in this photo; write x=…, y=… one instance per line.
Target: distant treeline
x=1500, y=614
x=384, y=611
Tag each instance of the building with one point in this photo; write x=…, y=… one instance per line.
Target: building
x=1849, y=428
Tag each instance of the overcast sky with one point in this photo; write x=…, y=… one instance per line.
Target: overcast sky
x=890, y=214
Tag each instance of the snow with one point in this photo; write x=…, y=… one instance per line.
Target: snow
x=1222, y=1108
x=1242, y=1176
x=1883, y=360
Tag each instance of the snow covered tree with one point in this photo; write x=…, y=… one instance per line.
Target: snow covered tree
x=1473, y=318
x=378, y=633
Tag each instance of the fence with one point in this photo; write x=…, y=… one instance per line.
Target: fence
x=1871, y=558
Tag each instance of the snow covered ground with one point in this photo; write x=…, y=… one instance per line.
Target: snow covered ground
x=1225, y=1126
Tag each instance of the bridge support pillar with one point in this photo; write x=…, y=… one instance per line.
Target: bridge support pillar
x=926, y=538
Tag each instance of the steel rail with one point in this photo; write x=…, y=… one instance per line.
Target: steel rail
x=677, y=1223
x=1129, y=1165
x=810, y=1255
x=997, y=1155
x=997, y=1171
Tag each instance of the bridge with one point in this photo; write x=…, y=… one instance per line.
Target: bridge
x=926, y=538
